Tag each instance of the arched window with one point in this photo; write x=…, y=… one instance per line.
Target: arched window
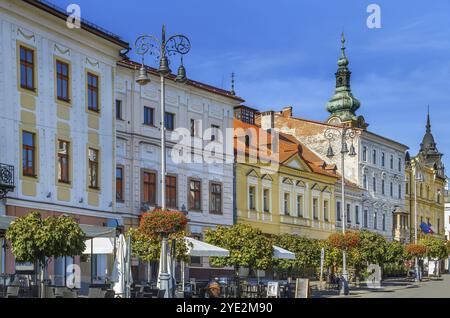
x=374, y=157
x=366, y=186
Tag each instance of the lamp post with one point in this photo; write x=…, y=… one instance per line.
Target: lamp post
x=417, y=178
x=162, y=50
x=345, y=134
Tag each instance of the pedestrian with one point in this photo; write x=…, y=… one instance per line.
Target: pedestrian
x=213, y=289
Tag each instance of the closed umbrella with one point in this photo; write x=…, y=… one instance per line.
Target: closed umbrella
x=119, y=268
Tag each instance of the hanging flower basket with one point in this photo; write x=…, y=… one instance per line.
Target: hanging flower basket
x=416, y=250
x=344, y=242
x=159, y=223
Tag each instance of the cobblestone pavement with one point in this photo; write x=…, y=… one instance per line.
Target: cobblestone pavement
x=399, y=288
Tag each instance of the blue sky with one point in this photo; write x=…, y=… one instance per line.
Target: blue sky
x=284, y=53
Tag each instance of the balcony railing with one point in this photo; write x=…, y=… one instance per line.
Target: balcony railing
x=6, y=179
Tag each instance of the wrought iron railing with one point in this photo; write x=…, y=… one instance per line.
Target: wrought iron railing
x=6, y=179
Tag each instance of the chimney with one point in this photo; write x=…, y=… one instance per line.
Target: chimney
x=267, y=120
x=287, y=112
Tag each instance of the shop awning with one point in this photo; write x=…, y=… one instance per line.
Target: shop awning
x=98, y=231
x=281, y=253
x=101, y=245
x=202, y=249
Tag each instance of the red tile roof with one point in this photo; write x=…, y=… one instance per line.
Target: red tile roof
x=288, y=147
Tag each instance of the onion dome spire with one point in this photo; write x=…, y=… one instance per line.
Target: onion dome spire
x=343, y=104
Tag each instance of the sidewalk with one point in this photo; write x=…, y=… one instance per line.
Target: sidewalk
x=396, y=288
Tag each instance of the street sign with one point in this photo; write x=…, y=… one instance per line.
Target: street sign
x=302, y=288
x=273, y=290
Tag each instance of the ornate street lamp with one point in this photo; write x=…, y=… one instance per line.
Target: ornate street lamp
x=346, y=134
x=162, y=50
x=418, y=177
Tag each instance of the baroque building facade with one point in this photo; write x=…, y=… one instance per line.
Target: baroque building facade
x=203, y=189
x=378, y=168
x=426, y=181
x=57, y=124
x=295, y=194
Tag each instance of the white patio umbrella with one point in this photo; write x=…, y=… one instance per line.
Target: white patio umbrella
x=198, y=248
x=121, y=274
x=281, y=253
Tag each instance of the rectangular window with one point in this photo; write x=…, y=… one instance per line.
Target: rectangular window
x=315, y=207
x=266, y=200
x=400, y=164
x=214, y=132
x=169, y=121
x=149, y=116
x=195, y=202
x=215, y=198
x=383, y=159
x=392, y=189
x=287, y=204
x=357, y=214
x=171, y=192
x=374, y=184
x=193, y=128
x=119, y=109
x=62, y=81
x=366, y=219
x=338, y=212
x=325, y=211
x=63, y=161
x=93, y=169
x=300, y=205
x=149, y=188
x=349, y=216
x=392, y=162
x=383, y=187
x=251, y=198
x=93, y=90
x=384, y=222
x=27, y=65
x=375, y=220
x=399, y=191
x=119, y=184
x=374, y=157
x=28, y=154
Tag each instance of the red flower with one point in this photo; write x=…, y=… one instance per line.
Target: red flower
x=162, y=222
x=345, y=241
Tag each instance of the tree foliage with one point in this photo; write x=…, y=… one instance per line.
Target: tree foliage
x=435, y=248
x=307, y=252
x=148, y=248
x=35, y=239
x=248, y=247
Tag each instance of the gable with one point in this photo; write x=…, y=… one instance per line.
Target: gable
x=297, y=163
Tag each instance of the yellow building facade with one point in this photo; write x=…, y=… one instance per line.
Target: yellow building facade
x=425, y=182
x=295, y=196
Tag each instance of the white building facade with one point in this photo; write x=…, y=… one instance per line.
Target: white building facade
x=204, y=190
x=378, y=167
x=57, y=123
